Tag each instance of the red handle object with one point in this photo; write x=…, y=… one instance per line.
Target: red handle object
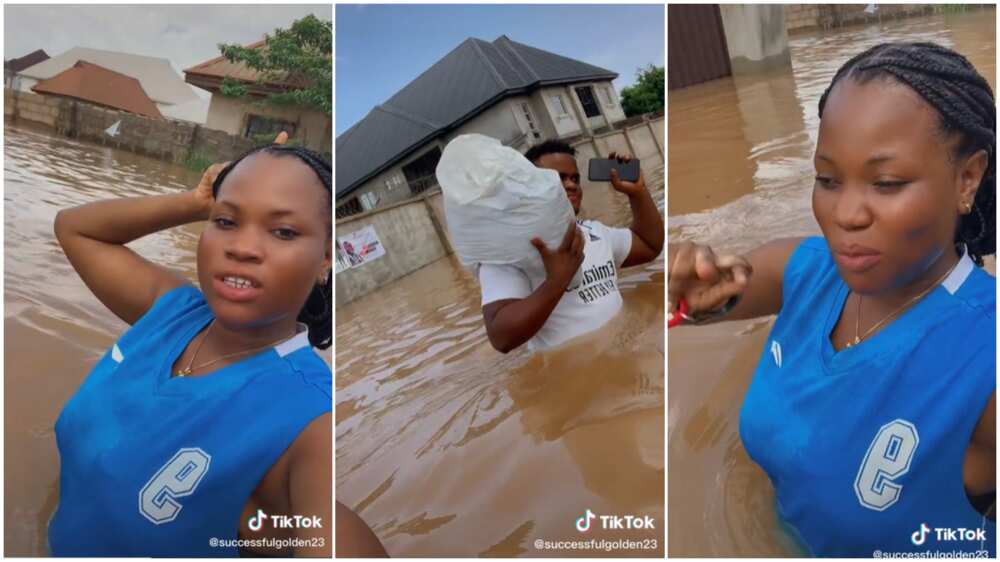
x=677, y=317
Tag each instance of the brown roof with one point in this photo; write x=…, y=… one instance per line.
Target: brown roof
x=28, y=60
x=96, y=84
x=209, y=74
x=219, y=67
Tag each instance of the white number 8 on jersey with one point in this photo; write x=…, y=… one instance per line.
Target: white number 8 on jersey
x=178, y=478
x=888, y=458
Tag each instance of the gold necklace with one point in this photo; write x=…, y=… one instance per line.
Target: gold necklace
x=857, y=326
x=188, y=370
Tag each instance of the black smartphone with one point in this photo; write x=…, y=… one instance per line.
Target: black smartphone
x=600, y=169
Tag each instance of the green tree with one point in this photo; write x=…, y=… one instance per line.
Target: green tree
x=300, y=57
x=647, y=94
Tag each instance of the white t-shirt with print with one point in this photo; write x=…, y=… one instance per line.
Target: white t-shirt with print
x=584, y=307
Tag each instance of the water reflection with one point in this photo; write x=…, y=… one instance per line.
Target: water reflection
x=741, y=173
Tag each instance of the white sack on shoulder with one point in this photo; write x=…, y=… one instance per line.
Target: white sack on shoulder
x=496, y=201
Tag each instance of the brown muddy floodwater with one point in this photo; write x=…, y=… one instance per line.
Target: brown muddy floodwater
x=741, y=174
x=55, y=329
x=446, y=447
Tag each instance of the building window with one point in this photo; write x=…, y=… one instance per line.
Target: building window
x=560, y=107
x=369, y=201
x=586, y=95
x=531, y=122
x=352, y=207
x=420, y=172
x=259, y=126
x=608, y=96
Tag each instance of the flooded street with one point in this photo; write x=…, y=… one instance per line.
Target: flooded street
x=446, y=447
x=55, y=329
x=740, y=151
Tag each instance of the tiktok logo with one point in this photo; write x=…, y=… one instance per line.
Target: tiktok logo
x=257, y=521
x=583, y=523
x=920, y=536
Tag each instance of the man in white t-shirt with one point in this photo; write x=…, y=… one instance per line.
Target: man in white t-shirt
x=545, y=312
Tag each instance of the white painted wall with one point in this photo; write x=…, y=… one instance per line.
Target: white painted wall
x=24, y=83
x=565, y=124
x=501, y=122
x=230, y=115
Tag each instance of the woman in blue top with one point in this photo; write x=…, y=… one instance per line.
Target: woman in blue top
x=209, y=419
x=872, y=409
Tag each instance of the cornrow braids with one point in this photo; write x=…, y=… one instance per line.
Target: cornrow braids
x=964, y=101
x=317, y=313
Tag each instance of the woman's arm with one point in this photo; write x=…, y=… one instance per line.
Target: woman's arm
x=981, y=455
x=354, y=538
x=93, y=237
x=707, y=281
x=310, y=492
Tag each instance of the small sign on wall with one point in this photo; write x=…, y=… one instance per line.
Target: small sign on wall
x=358, y=248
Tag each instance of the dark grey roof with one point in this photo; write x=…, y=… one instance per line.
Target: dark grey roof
x=30, y=59
x=471, y=78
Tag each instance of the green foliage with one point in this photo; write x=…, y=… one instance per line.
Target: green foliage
x=301, y=56
x=647, y=94
x=197, y=162
x=954, y=8
x=268, y=138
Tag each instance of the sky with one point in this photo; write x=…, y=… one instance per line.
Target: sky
x=186, y=35
x=382, y=47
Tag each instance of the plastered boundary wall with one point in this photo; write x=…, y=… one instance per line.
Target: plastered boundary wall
x=174, y=141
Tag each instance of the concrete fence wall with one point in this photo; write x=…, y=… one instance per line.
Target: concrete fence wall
x=409, y=236
x=801, y=17
x=31, y=107
x=174, y=141
x=642, y=139
x=806, y=17
x=414, y=232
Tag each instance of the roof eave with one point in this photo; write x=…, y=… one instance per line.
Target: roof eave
x=214, y=84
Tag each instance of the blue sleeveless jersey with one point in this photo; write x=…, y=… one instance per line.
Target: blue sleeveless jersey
x=157, y=466
x=865, y=446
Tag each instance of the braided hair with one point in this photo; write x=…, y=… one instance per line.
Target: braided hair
x=964, y=102
x=317, y=312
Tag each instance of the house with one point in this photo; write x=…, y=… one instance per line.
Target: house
x=173, y=98
x=98, y=85
x=13, y=66
x=515, y=93
x=246, y=118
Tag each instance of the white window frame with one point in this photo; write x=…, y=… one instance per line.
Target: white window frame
x=559, y=106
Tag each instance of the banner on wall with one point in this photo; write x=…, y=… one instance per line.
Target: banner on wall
x=358, y=248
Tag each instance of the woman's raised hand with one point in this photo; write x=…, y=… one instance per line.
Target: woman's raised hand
x=705, y=281
x=203, y=192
